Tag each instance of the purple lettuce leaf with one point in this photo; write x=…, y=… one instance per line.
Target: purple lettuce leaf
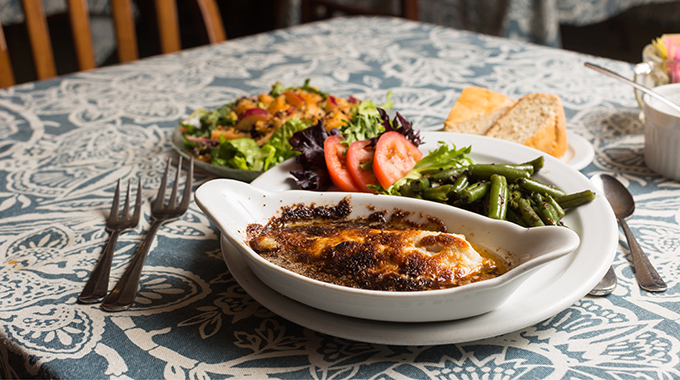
x=309, y=142
x=401, y=125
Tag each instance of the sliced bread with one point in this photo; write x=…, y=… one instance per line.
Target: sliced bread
x=536, y=120
x=476, y=110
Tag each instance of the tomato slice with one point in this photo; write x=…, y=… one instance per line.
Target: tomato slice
x=395, y=156
x=359, y=165
x=336, y=162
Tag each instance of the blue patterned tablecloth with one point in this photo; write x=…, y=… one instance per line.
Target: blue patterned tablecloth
x=65, y=143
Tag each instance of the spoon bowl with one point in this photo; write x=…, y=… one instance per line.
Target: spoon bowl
x=623, y=205
x=617, y=195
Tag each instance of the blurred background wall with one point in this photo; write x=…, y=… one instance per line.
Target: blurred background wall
x=616, y=29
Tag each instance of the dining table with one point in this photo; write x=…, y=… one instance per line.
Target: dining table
x=66, y=142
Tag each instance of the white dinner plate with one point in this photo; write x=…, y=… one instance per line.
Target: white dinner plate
x=561, y=283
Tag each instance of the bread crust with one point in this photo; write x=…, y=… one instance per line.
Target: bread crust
x=547, y=132
x=560, y=145
x=476, y=110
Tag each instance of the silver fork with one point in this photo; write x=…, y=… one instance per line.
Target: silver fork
x=98, y=284
x=125, y=291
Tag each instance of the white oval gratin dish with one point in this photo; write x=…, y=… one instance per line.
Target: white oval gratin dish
x=233, y=205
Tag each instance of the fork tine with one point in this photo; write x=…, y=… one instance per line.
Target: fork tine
x=138, y=204
x=113, y=214
x=160, y=197
x=126, y=209
x=186, y=196
x=124, y=293
x=97, y=285
x=173, y=195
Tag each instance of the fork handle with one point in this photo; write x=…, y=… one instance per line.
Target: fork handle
x=98, y=284
x=125, y=291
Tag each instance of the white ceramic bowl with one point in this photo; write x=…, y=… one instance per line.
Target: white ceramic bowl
x=662, y=133
x=233, y=205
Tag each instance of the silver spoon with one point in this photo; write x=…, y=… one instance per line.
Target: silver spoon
x=642, y=88
x=623, y=205
x=606, y=285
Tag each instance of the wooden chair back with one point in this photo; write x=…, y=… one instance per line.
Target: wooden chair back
x=313, y=10
x=126, y=37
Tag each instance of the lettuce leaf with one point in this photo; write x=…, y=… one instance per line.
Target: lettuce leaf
x=445, y=156
x=236, y=153
x=309, y=142
x=279, y=146
x=278, y=89
x=245, y=154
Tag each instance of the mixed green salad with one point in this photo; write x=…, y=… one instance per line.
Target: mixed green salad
x=253, y=133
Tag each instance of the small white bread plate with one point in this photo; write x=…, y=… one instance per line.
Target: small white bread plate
x=233, y=205
x=580, y=152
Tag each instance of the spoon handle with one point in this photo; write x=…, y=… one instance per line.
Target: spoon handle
x=645, y=274
x=606, y=285
x=623, y=79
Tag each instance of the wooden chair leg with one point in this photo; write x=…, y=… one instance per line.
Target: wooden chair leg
x=82, y=35
x=212, y=20
x=38, y=33
x=6, y=72
x=126, y=36
x=168, y=26
x=409, y=9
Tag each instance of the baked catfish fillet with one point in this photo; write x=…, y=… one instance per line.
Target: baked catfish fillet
x=367, y=258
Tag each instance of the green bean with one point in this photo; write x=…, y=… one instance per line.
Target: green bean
x=447, y=175
x=558, y=209
x=528, y=214
x=536, y=199
x=515, y=195
x=575, y=199
x=498, y=197
x=420, y=184
x=475, y=191
x=537, y=163
x=556, y=215
x=548, y=214
x=407, y=191
x=485, y=171
x=460, y=183
x=516, y=218
x=499, y=191
x=527, y=167
x=437, y=193
x=538, y=187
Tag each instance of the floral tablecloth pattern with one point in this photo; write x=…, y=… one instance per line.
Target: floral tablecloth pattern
x=65, y=143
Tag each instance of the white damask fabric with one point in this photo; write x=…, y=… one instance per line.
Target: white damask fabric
x=65, y=143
